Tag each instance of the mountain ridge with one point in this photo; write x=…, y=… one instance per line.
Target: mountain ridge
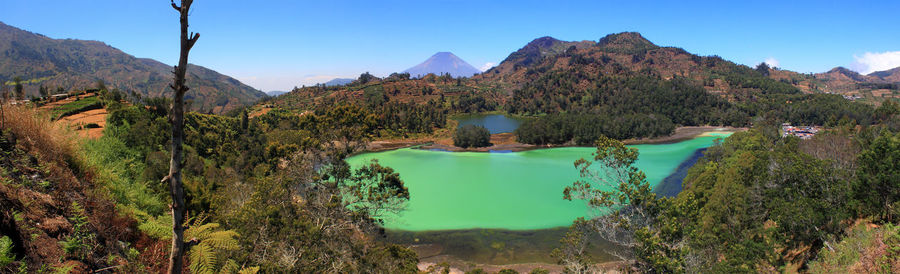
x=891, y=75
x=78, y=64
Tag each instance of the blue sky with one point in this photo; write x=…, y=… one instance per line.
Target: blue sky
x=276, y=45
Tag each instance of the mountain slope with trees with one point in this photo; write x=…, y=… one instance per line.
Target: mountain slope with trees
x=588, y=88
x=69, y=64
x=757, y=202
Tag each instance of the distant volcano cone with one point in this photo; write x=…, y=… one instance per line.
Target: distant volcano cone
x=443, y=63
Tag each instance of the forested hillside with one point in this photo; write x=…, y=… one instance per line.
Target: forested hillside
x=755, y=203
x=62, y=65
x=622, y=86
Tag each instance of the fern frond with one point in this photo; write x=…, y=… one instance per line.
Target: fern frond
x=200, y=232
x=202, y=258
x=158, y=228
x=224, y=240
x=230, y=267
x=249, y=270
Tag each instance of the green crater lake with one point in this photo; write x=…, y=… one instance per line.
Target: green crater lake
x=512, y=191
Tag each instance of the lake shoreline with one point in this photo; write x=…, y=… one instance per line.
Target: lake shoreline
x=526, y=249
x=462, y=266
x=506, y=142
x=522, y=251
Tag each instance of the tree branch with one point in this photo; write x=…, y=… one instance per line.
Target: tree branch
x=191, y=243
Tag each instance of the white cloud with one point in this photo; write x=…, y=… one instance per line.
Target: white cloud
x=876, y=61
x=487, y=66
x=772, y=62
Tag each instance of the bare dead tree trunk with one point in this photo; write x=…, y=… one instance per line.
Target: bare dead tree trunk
x=176, y=117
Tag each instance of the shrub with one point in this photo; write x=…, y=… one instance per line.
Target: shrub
x=864, y=249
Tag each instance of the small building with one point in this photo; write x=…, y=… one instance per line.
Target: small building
x=802, y=132
x=57, y=97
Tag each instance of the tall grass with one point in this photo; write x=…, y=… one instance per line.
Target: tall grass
x=35, y=131
x=111, y=164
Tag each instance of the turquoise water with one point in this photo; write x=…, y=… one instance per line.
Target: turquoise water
x=515, y=191
x=495, y=123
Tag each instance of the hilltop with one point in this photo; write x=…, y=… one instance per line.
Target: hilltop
x=338, y=82
x=622, y=54
x=72, y=64
x=443, y=63
x=891, y=75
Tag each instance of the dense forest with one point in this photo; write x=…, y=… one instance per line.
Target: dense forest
x=755, y=203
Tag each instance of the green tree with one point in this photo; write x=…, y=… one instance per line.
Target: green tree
x=244, y=120
x=100, y=85
x=627, y=212
x=318, y=203
x=763, y=68
x=759, y=202
x=878, y=187
x=44, y=91
x=472, y=136
x=19, y=90
x=366, y=78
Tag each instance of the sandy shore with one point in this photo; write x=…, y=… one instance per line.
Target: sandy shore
x=683, y=133
x=507, y=141
x=460, y=266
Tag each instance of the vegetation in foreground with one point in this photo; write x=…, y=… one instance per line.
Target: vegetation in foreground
x=755, y=203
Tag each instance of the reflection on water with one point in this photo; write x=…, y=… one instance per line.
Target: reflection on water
x=494, y=246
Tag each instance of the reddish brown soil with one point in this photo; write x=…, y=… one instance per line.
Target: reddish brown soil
x=80, y=120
